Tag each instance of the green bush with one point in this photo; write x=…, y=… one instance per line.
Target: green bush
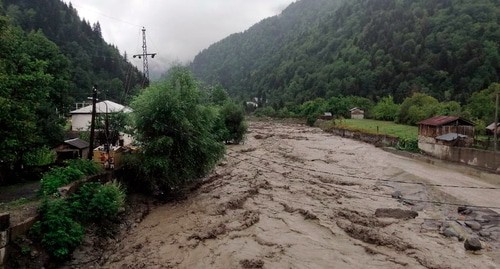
x=80, y=201
x=416, y=108
x=97, y=202
x=58, y=177
x=87, y=167
x=406, y=144
x=39, y=157
x=233, y=117
x=311, y=119
x=59, y=229
x=59, y=233
x=285, y=113
x=386, y=109
x=107, y=201
x=267, y=111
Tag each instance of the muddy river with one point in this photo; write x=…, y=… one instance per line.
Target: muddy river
x=293, y=196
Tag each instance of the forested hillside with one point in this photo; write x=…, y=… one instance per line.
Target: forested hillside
x=49, y=59
x=371, y=48
x=90, y=59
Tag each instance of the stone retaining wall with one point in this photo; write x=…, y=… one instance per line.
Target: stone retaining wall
x=4, y=237
x=375, y=139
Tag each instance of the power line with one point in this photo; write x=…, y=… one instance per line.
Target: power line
x=365, y=193
x=377, y=179
x=105, y=15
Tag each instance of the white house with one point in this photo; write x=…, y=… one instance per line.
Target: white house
x=80, y=118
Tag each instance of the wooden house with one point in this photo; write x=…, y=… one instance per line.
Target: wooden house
x=72, y=149
x=446, y=130
x=357, y=113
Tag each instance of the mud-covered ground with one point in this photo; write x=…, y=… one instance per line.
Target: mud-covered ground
x=295, y=197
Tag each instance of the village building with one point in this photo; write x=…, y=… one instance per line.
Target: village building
x=326, y=116
x=357, y=113
x=490, y=129
x=75, y=148
x=81, y=118
x=448, y=131
x=450, y=138
x=440, y=125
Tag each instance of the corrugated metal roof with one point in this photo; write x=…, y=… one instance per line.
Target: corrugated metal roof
x=450, y=137
x=491, y=127
x=442, y=120
x=103, y=107
x=77, y=143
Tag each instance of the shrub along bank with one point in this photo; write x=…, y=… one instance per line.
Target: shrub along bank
x=61, y=226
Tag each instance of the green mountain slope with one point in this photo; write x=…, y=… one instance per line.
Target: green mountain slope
x=91, y=59
x=372, y=48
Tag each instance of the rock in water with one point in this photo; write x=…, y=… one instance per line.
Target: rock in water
x=449, y=232
x=473, y=244
x=395, y=213
x=474, y=225
x=397, y=195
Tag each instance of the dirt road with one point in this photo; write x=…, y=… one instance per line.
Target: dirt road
x=296, y=197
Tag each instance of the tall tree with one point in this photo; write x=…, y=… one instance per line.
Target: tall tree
x=31, y=69
x=175, y=131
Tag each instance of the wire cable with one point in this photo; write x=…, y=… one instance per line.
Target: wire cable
x=365, y=193
x=376, y=179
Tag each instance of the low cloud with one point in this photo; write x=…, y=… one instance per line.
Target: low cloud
x=176, y=30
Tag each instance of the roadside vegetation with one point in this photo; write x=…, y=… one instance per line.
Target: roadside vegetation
x=61, y=227
x=62, y=221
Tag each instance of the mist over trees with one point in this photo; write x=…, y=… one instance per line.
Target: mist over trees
x=447, y=49
x=90, y=59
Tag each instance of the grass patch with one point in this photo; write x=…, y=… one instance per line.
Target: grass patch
x=384, y=128
x=18, y=204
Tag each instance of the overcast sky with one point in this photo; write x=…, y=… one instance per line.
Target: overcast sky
x=176, y=30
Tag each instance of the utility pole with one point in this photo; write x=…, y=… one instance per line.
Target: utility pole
x=92, y=123
x=106, y=121
x=144, y=56
x=496, y=123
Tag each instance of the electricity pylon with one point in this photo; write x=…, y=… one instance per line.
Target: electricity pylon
x=144, y=56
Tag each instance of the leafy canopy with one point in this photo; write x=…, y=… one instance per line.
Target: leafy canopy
x=175, y=131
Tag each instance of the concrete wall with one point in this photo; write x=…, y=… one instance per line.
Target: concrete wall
x=488, y=160
x=376, y=139
x=4, y=237
x=80, y=122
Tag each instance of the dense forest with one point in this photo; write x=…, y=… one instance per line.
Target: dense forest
x=50, y=58
x=447, y=49
x=90, y=59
